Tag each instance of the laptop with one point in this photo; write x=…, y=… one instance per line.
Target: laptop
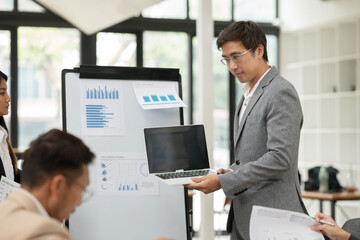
x=178, y=153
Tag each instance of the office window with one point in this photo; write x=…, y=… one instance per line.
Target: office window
x=221, y=105
x=29, y=6
x=43, y=54
x=255, y=10
x=6, y=5
x=221, y=153
x=221, y=111
x=272, y=48
x=116, y=49
x=173, y=9
x=221, y=9
x=5, y=63
x=169, y=50
x=221, y=131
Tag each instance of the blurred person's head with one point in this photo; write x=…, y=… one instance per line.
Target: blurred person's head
x=55, y=171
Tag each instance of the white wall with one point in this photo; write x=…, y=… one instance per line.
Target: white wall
x=320, y=55
x=299, y=14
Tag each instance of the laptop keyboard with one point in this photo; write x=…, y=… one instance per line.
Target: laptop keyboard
x=197, y=173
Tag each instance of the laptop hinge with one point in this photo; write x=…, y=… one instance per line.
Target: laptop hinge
x=179, y=170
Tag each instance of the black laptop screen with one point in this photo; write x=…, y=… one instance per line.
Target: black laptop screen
x=173, y=148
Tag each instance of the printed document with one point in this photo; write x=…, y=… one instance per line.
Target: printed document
x=6, y=186
x=277, y=224
x=124, y=173
x=101, y=107
x=155, y=95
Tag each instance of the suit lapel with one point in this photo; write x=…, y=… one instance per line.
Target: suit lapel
x=236, y=118
x=254, y=99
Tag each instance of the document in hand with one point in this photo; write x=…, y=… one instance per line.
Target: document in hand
x=277, y=224
x=6, y=186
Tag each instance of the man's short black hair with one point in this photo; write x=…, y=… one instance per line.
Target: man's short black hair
x=3, y=75
x=55, y=152
x=248, y=33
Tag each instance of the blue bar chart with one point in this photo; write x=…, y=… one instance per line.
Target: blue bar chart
x=157, y=95
x=99, y=93
x=128, y=187
x=159, y=98
x=98, y=116
x=101, y=108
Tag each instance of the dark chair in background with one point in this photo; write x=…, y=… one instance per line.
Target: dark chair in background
x=352, y=226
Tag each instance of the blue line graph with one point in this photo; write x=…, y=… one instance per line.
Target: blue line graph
x=99, y=93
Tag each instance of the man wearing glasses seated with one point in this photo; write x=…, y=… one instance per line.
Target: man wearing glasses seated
x=54, y=180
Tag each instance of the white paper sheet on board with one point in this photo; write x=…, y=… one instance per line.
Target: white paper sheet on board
x=277, y=224
x=101, y=107
x=156, y=95
x=124, y=173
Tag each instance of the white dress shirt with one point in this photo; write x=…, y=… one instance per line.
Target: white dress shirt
x=4, y=154
x=247, y=94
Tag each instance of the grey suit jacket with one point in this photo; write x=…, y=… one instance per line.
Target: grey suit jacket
x=266, y=152
x=20, y=219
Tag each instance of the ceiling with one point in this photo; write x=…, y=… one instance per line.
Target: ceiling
x=91, y=16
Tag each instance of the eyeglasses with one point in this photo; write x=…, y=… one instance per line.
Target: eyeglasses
x=86, y=193
x=235, y=58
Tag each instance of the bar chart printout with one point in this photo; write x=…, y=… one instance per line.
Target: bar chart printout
x=124, y=173
x=157, y=95
x=101, y=107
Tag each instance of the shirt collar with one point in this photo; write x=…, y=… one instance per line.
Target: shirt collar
x=36, y=202
x=246, y=88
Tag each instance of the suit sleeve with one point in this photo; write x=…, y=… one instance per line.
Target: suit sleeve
x=283, y=121
x=50, y=229
x=352, y=237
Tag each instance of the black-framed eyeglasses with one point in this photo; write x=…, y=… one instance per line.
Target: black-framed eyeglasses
x=86, y=193
x=235, y=58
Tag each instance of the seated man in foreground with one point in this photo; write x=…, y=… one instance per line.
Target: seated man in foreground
x=55, y=174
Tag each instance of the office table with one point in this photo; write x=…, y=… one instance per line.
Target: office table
x=332, y=197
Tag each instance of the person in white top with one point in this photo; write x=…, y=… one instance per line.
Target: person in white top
x=8, y=167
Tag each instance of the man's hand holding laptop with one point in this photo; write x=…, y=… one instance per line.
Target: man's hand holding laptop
x=207, y=184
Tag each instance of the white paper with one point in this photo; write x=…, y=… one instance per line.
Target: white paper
x=101, y=108
x=277, y=224
x=6, y=186
x=157, y=95
x=125, y=173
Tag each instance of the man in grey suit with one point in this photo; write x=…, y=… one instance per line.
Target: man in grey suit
x=267, y=123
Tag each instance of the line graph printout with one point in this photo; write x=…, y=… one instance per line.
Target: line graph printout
x=155, y=95
x=101, y=107
x=278, y=224
x=124, y=173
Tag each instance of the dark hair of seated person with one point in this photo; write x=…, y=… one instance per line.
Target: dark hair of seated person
x=55, y=152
